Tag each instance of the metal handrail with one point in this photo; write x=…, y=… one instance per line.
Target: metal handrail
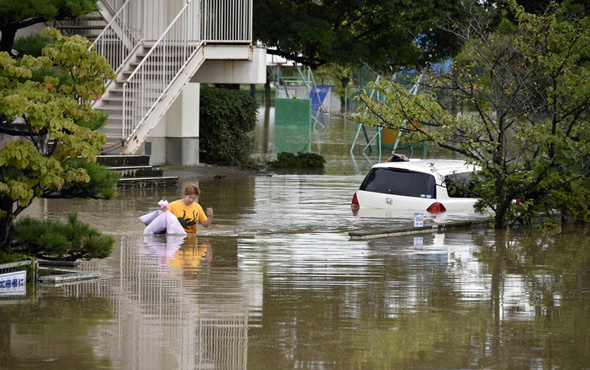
x=158, y=69
x=116, y=41
x=12, y=266
x=114, y=4
x=215, y=21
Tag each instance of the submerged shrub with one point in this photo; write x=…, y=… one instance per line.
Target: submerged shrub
x=102, y=184
x=60, y=241
x=301, y=160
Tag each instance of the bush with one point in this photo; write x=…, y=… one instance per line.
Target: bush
x=301, y=160
x=32, y=44
x=102, y=184
x=60, y=241
x=226, y=119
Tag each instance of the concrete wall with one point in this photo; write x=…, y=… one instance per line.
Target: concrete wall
x=219, y=68
x=175, y=139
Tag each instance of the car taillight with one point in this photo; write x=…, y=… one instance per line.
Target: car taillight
x=436, y=208
x=355, y=202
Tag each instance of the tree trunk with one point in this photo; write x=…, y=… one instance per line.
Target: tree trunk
x=501, y=203
x=7, y=40
x=5, y=228
x=500, y=217
x=6, y=205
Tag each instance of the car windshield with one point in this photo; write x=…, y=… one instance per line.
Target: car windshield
x=400, y=182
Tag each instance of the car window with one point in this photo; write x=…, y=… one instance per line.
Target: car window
x=460, y=185
x=397, y=182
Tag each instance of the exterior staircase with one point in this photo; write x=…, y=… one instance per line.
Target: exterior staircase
x=136, y=172
x=152, y=72
x=89, y=26
x=155, y=47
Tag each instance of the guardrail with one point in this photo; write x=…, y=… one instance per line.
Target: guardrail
x=158, y=69
x=9, y=267
x=226, y=20
x=114, y=4
x=117, y=40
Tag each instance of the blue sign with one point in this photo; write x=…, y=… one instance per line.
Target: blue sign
x=317, y=96
x=13, y=283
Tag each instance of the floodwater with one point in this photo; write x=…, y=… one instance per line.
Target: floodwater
x=276, y=283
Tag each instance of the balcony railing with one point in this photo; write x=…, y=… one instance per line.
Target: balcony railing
x=198, y=21
x=226, y=20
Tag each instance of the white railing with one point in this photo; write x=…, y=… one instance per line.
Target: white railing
x=116, y=41
x=159, y=68
x=197, y=22
x=115, y=4
x=226, y=20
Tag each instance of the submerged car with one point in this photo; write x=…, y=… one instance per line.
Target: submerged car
x=432, y=185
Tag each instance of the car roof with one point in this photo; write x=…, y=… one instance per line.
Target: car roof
x=442, y=167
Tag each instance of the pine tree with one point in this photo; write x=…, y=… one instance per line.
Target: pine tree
x=17, y=14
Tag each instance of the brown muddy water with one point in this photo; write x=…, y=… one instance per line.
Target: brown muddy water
x=276, y=283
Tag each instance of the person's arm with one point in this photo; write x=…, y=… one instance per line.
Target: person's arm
x=209, y=219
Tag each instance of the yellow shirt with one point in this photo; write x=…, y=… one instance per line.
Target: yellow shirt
x=188, y=216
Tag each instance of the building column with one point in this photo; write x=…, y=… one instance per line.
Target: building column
x=182, y=128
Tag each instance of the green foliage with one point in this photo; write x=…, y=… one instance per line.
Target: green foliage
x=351, y=32
x=60, y=241
x=301, y=160
x=102, y=183
x=8, y=257
x=32, y=44
x=339, y=78
x=523, y=96
x=56, y=109
x=226, y=119
x=17, y=14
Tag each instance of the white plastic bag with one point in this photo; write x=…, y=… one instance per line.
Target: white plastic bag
x=164, y=223
x=160, y=222
x=147, y=219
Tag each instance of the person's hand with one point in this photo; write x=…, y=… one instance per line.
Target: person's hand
x=209, y=212
x=164, y=204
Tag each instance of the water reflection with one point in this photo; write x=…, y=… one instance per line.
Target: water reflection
x=184, y=255
x=276, y=283
x=157, y=311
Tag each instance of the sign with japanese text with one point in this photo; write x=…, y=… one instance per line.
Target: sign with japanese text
x=13, y=283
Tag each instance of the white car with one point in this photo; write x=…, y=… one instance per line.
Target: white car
x=433, y=185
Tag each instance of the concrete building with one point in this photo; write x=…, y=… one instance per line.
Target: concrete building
x=162, y=50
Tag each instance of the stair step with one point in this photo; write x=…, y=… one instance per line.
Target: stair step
x=92, y=18
x=139, y=171
x=123, y=160
x=79, y=27
x=147, y=182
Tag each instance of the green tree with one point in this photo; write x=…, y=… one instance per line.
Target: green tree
x=340, y=78
x=17, y=14
x=525, y=89
x=227, y=117
x=32, y=111
x=350, y=32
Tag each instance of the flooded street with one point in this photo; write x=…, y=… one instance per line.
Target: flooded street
x=276, y=283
